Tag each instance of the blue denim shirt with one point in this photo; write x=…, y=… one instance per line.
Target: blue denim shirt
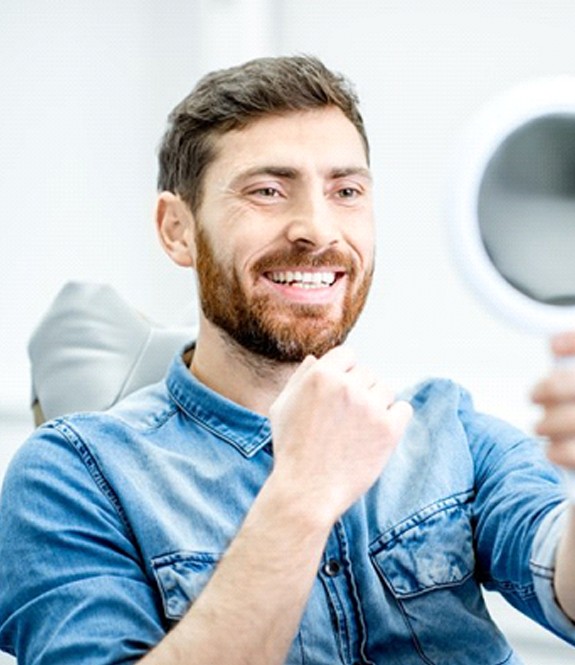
x=112, y=524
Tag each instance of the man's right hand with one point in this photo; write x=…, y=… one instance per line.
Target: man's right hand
x=334, y=428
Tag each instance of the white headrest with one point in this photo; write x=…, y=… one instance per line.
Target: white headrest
x=92, y=348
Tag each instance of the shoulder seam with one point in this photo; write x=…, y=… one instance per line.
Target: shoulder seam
x=93, y=467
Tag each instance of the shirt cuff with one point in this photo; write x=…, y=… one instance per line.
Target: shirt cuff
x=542, y=566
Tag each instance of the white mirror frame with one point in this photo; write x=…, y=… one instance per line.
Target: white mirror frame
x=484, y=135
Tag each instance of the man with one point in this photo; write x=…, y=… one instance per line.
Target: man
x=271, y=502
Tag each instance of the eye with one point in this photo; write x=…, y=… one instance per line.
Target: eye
x=266, y=192
x=348, y=193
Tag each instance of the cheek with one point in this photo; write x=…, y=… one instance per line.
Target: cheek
x=362, y=243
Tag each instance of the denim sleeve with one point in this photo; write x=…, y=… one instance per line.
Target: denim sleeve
x=543, y=567
x=517, y=509
x=73, y=588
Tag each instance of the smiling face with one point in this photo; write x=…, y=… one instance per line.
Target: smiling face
x=283, y=237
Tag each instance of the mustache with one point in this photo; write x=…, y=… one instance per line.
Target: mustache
x=301, y=257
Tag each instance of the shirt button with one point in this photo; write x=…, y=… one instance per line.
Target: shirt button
x=332, y=568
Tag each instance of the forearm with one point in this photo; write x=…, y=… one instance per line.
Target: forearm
x=334, y=429
x=564, y=580
x=555, y=394
x=251, y=608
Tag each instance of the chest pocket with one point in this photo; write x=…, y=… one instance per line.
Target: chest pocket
x=427, y=563
x=181, y=577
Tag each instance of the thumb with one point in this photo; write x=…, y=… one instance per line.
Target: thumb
x=563, y=344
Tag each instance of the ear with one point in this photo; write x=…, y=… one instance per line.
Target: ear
x=175, y=227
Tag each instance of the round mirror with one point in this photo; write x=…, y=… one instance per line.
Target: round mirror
x=512, y=205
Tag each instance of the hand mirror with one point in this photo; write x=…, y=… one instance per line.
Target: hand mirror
x=512, y=208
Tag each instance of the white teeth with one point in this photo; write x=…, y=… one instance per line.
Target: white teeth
x=304, y=280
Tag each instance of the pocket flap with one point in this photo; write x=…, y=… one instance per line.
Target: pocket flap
x=181, y=577
x=434, y=550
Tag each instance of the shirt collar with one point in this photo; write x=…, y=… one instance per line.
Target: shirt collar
x=245, y=430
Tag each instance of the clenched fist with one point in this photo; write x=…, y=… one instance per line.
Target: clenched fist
x=334, y=428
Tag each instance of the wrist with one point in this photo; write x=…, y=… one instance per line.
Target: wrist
x=288, y=497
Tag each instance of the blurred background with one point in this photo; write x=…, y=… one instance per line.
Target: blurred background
x=85, y=88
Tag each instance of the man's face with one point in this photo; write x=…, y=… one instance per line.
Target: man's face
x=284, y=234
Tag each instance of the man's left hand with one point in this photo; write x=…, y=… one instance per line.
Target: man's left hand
x=556, y=395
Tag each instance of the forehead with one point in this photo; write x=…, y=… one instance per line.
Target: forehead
x=317, y=138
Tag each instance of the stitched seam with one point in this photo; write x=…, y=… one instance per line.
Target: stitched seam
x=77, y=443
x=423, y=514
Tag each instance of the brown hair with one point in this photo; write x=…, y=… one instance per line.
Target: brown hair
x=230, y=99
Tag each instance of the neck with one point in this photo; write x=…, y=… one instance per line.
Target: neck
x=235, y=373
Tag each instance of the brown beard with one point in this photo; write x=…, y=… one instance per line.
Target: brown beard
x=259, y=324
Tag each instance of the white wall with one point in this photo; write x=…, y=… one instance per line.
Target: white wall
x=84, y=90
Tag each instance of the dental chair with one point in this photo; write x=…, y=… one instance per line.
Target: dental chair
x=92, y=348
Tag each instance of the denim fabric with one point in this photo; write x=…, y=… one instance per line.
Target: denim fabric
x=112, y=524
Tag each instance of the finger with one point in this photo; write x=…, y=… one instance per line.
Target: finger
x=362, y=377
x=297, y=378
x=559, y=386
x=306, y=363
x=562, y=452
x=563, y=344
x=558, y=422
x=383, y=395
x=340, y=358
x=401, y=413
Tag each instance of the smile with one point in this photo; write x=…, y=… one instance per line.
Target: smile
x=303, y=280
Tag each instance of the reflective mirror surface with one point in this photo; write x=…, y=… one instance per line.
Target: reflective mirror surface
x=512, y=205
x=526, y=209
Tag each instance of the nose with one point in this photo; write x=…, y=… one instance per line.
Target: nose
x=312, y=222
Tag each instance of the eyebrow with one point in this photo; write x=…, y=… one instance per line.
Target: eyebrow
x=290, y=173
x=352, y=170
